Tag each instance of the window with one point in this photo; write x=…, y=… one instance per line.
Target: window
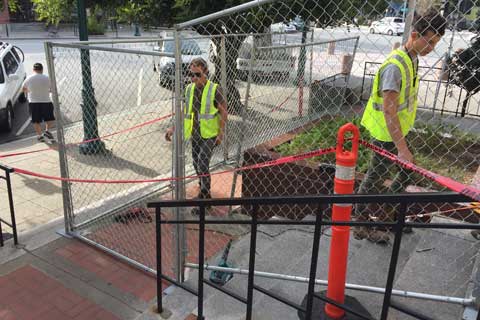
x=15, y=53
x=398, y=20
x=2, y=78
x=10, y=64
x=189, y=47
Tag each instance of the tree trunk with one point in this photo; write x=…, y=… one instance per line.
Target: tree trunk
x=232, y=46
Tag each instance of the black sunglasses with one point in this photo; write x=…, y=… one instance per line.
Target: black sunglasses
x=195, y=74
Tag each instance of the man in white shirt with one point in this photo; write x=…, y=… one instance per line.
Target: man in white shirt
x=37, y=87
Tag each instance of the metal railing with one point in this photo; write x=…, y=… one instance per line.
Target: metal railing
x=12, y=224
x=397, y=228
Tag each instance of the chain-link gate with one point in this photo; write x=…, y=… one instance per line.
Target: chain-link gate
x=286, y=94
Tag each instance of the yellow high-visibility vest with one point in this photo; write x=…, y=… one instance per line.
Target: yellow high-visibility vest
x=373, y=117
x=208, y=117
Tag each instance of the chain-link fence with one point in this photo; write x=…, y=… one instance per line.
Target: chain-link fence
x=288, y=87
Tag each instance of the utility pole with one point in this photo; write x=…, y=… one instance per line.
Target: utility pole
x=89, y=104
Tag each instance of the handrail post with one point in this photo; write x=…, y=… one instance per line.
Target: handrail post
x=251, y=263
x=7, y=178
x=398, y=228
x=201, y=261
x=10, y=203
x=314, y=262
x=158, y=230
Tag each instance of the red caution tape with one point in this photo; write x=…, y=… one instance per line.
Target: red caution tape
x=276, y=162
x=91, y=140
x=444, y=181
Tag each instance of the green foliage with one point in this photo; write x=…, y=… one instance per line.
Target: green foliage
x=438, y=148
x=323, y=136
x=13, y=6
x=132, y=12
x=52, y=11
x=94, y=26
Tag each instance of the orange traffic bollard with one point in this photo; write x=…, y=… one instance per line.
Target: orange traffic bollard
x=343, y=184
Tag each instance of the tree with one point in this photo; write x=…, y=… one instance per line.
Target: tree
x=132, y=12
x=53, y=11
x=13, y=6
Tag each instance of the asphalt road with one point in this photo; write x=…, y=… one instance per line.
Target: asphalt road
x=125, y=81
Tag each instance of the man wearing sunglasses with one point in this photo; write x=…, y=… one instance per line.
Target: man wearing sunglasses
x=205, y=115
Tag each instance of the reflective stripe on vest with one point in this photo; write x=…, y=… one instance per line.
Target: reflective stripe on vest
x=208, y=116
x=373, y=118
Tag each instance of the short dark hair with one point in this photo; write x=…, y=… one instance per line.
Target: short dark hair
x=38, y=66
x=199, y=62
x=431, y=20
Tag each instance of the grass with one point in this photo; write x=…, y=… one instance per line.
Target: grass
x=442, y=149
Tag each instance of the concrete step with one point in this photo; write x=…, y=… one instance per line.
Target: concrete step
x=442, y=264
x=431, y=261
x=181, y=303
x=287, y=243
x=367, y=265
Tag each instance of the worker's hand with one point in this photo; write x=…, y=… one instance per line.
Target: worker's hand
x=406, y=155
x=169, y=134
x=219, y=139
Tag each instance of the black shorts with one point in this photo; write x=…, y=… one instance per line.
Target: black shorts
x=41, y=111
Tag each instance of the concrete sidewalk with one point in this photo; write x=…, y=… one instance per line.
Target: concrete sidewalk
x=51, y=277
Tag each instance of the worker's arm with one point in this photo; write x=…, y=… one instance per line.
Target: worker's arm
x=390, y=109
x=222, y=109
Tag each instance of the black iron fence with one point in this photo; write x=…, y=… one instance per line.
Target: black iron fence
x=403, y=200
x=12, y=224
x=431, y=83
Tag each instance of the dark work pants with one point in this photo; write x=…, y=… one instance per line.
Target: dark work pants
x=202, y=150
x=380, y=169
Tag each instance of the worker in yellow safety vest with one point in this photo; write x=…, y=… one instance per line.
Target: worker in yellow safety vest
x=205, y=116
x=390, y=114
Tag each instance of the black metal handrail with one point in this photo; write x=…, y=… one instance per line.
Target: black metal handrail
x=397, y=228
x=13, y=223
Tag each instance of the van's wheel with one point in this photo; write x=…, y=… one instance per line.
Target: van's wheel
x=372, y=31
x=22, y=98
x=7, y=123
x=390, y=32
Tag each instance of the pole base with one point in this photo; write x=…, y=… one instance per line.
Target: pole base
x=318, y=310
x=92, y=147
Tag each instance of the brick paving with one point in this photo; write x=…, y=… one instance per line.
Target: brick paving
x=28, y=293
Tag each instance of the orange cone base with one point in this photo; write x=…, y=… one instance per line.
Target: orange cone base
x=318, y=310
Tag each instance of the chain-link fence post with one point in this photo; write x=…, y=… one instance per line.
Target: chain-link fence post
x=243, y=126
x=179, y=160
x=412, y=4
x=66, y=192
x=223, y=56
